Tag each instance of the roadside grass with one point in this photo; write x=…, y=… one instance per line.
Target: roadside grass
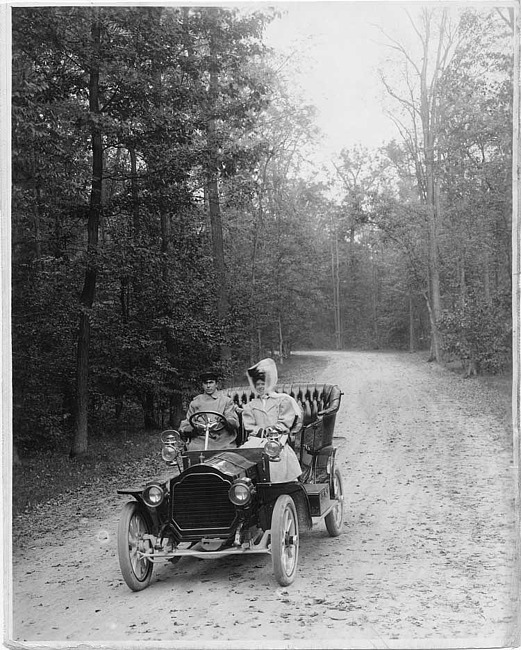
x=49, y=474
x=45, y=475
x=498, y=387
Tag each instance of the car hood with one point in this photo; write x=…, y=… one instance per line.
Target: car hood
x=230, y=463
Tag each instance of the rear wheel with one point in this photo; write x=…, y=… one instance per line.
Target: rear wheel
x=284, y=540
x=133, y=524
x=335, y=519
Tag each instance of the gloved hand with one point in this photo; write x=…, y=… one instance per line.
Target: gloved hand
x=188, y=435
x=184, y=438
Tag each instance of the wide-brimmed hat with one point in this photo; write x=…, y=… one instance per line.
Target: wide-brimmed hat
x=266, y=370
x=208, y=375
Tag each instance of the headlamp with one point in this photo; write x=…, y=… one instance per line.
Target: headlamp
x=172, y=445
x=153, y=495
x=241, y=492
x=169, y=453
x=273, y=449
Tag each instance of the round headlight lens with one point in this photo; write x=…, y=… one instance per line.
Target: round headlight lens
x=169, y=453
x=240, y=494
x=153, y=495
x=273, y=449
x=172, y=446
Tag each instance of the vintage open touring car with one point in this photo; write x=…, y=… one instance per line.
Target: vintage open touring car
x=221, y=502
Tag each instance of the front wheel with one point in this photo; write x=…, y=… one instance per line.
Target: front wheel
x=133, y=524
x=335, y=519
x=284, y=540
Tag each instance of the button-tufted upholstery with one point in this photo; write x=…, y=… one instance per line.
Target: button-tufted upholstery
x=319, y=404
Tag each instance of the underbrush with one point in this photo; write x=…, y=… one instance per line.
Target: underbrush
x=45, y=475
x=48, y=474
x=497, y=386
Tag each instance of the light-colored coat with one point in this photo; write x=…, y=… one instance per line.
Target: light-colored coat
x=276, y=410
x=220, y=438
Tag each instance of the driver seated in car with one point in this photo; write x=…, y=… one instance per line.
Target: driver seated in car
x=271, y=410
x=211, y=399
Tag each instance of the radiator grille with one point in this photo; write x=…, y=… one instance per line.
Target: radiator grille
x=200, y=501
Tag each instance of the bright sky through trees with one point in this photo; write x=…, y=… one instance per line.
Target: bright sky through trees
x=342, y=46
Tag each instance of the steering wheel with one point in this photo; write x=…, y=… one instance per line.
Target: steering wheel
x=210, y=420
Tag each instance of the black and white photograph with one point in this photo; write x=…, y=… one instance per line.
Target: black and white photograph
x=260, y=324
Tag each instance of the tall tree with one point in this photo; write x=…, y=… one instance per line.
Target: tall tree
x=421, y=102
x=80, y=440
x=212, y=188
x=227, y=49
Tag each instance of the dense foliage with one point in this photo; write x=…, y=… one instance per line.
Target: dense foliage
x=165, y=213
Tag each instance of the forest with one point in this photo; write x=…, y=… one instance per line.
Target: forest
x=167, y=215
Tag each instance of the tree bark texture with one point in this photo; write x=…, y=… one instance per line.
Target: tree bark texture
x=516, y=244
x=335, y=276
x=149, y=419
x=80, y=441
x=214, y=206
x=427, y=114
x=412, y=346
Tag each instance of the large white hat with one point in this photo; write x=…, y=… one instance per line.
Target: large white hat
x=265, y=369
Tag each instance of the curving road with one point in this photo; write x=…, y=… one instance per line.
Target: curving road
x=427, y=557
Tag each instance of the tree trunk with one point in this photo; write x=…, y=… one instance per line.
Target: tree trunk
x=376, y=330
x=471, y=368
x=218, y=254
x=462, y=282
x=177, y=412
x=516, y=240
x=214, y=205
x=432, y=355
x=259, y=344
x=148, y=411
x=80, y=441
x=427, y=112
x=175, y=405
x=281, y=342
x=427, y=107
x=411, y=325
x=164, y=206
x=336, y=288
x=487, y=294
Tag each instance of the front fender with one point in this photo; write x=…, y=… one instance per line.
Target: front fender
x=137, y=491
x=268, y=493
x=156, y=516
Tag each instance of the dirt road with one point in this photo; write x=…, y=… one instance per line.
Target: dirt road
x=427, y=556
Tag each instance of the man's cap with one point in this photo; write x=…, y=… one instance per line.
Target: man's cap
x=208, y=375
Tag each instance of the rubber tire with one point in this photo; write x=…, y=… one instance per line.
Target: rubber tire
x=335, y=519
x=136, y=573
x=284, y=557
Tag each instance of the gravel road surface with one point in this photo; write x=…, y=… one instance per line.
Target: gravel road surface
x=427, y=557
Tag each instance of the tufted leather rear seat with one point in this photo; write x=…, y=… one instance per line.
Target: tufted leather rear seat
x=319, y=404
